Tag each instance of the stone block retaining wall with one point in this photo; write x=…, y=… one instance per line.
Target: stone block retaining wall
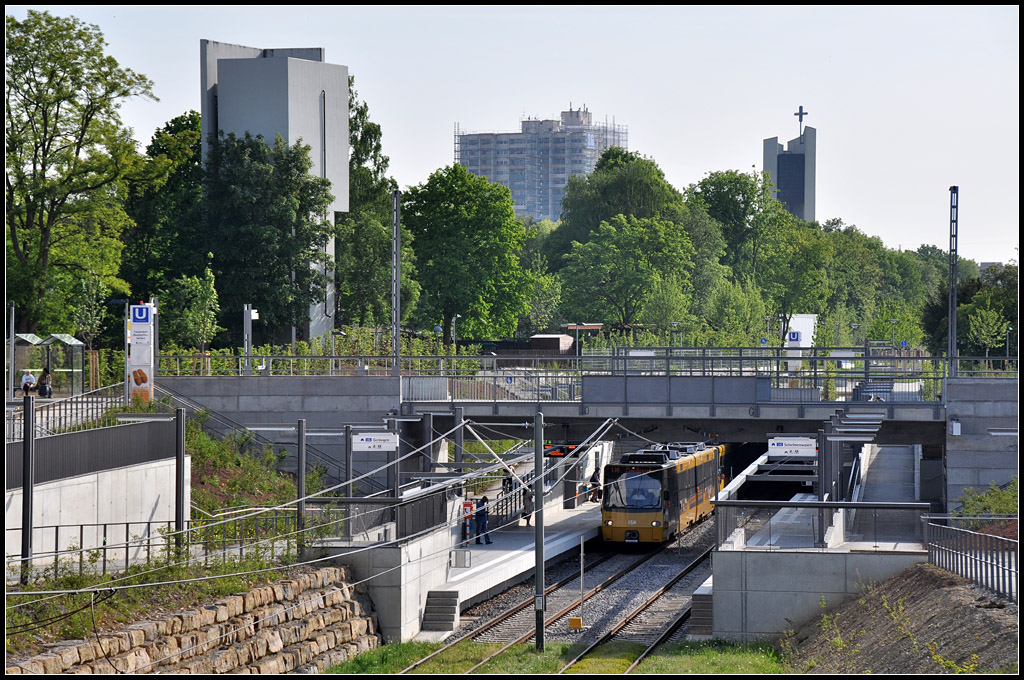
x=305, y=624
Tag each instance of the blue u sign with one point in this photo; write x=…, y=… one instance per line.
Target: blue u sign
x=141, y=314
x=794, y=336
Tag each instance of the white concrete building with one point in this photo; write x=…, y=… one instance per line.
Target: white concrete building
x=289, y=92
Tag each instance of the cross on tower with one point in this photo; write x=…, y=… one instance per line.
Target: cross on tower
x=800, y=114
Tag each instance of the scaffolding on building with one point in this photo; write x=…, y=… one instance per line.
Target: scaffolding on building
x=536, y=162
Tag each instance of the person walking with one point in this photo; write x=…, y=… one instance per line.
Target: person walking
x=527, y=506
x=595, y=486
x=481, y=521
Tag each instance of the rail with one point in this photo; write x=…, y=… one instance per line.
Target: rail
x=973, y=548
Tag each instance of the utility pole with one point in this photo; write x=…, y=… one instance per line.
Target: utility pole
x=538, y=532
x=951, y=354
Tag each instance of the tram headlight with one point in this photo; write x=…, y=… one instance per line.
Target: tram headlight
x=608, y=523
x=655, y=523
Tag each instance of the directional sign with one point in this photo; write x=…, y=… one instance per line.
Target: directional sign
x=903, y=344
x=380, y=441
x=764, y=341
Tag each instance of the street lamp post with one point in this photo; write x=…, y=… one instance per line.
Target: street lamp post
x=334, y=334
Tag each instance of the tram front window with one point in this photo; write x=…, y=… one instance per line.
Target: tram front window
x=633, y=490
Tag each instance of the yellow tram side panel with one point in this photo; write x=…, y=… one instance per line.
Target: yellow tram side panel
x=686, y=512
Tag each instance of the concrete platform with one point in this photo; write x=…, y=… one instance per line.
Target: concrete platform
x=510, y=558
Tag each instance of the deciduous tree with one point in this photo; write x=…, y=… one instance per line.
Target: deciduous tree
x=68, y=157
x=468, y=245
x=613, y=275
x=266, y=227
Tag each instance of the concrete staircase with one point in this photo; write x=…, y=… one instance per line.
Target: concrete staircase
x=441, y=612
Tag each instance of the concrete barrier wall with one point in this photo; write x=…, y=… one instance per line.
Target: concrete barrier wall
x=398, y=577
x=133, y=495
x=762, y=595
x=324, y=401
x=976, y=458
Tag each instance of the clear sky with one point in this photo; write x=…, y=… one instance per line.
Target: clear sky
x=906, y=101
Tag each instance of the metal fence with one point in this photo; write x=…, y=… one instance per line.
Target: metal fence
x=113, y=547
x=970, y=547
x=81, y=412
x=793, y=375
x=83, y=452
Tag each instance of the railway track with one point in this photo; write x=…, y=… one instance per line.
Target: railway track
x=516, y=610
x=608, y=596
x=657, y=618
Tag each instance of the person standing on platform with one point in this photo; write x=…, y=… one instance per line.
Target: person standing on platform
x=481, y=521
x=527, y=506
x=595, y=486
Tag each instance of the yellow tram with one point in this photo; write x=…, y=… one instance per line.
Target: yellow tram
x=652, y=494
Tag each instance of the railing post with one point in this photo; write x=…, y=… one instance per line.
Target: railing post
x=301, y=464
x=27, y=483
x=179, y=477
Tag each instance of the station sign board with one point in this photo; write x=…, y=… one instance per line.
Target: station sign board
x=141, y=360
x=377, y=441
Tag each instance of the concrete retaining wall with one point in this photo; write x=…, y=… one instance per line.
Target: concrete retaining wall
x=975, y=458
x=400, y=576
x=762, y=595
x=306, y=624
x=133, y=494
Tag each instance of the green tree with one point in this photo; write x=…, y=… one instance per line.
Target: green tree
x=468, y=246
x=166, y=239
x=614, y=274
x=363, y=262
x=907, y=326
x=545, y=298
x=986, y=327
x=735, y=315
x=623, y=183
x=363, y=238
x=189, y=309
x=91, y=309
x=266, y=228
x=68, y=158
x=669, y=305
x=793, y=270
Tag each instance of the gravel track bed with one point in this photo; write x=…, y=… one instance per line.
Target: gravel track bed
x=652, y=621
x=603, y=611
x=483, y=612
x=524, y=621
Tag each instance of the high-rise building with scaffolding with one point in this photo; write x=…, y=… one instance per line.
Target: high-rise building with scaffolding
x=537, y=162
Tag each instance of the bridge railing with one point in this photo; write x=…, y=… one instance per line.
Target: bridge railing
x=793, y=375
x=822, y=525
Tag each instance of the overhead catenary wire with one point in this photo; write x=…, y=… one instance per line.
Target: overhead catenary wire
x=449, y=523
x=125, y=544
